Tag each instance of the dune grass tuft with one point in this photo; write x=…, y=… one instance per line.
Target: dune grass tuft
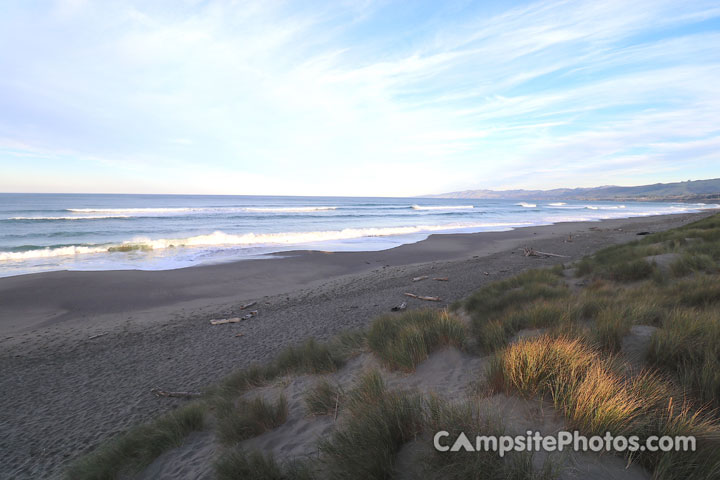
x=688, y=344
x=310, y=357
x=521, y=289
x=323, y=398
x=379, y=422
x=139, y=446
x=403, y=341
x=250, y=418
x=237, y=464
x=596, y=399
x=610, y=327
x=466, y=417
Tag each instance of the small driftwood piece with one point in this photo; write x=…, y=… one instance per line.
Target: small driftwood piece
x=441, y=279
x=163, y=393
x=531, y=252
x=422, y=277
x=239, y=334
x=224, y=321
x=337, y=403
x=248, y=305
x=421, y=297
x=98, y=335
x=400, y=307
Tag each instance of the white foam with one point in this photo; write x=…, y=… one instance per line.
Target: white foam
x=223, y=239
x=50, y=252
x=558, y=204
x=526, y=205
x=444, y=207
x=288, y=209
x=85, y=217
x=134, y=210
x=149, y=210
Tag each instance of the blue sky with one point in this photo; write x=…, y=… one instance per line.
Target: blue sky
x=356, y=97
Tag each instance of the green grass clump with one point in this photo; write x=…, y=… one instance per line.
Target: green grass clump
x=631, y=271
x=139, y=446
x=466, y=417
x=611, y=325
x=699, y=291
x=379, y=422
x=688, y=344
x=403, y=341
x=531, y=299
x=693, y=262
x=323, y=398
x=237, y=464
x=494, y=333
x=250, y=418
x=310, y=357
x=513, y=292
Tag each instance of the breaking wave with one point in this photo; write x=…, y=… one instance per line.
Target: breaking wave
x=442, y=207
x=86, y=217
x=134, y=210
x=526, y=205
x=288, y=209
x=221, y=239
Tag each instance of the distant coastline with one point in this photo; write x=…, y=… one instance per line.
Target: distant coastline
x=684, y=192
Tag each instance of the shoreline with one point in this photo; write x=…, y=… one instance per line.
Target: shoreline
x=43, y=299
x=80, y=351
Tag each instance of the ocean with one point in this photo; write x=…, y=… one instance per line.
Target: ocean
x=46, y=232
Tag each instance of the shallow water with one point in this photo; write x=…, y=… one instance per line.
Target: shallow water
x=45, y=232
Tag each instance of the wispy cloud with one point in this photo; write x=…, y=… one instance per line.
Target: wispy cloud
x=357, y=97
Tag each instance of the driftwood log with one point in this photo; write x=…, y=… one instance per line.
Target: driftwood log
x=422, y=297
x=441, y=279
x=422, y=277
x=224, y=321
x=531, y=252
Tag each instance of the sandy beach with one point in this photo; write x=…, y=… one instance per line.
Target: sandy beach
x=80, y=351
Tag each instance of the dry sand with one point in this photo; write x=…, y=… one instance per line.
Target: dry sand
x=80, y=351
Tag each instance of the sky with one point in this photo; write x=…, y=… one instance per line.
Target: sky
x=356, y=97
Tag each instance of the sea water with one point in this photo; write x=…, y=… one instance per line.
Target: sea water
x=45, y=232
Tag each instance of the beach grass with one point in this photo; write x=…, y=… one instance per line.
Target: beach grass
x=378, y=423
x=138, y=447
x=403, y=341
x=237, y=464
x=467, y=417
x=688, y=344
x=250, y=418
x=324, y=398
x=595, y=398
x=309, y=357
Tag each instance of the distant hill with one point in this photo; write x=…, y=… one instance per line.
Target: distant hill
x=690, y=191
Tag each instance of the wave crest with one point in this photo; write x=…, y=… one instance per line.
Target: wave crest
x=87, y=217
x=445, y=207
x=222, y=239
x=288, y=209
